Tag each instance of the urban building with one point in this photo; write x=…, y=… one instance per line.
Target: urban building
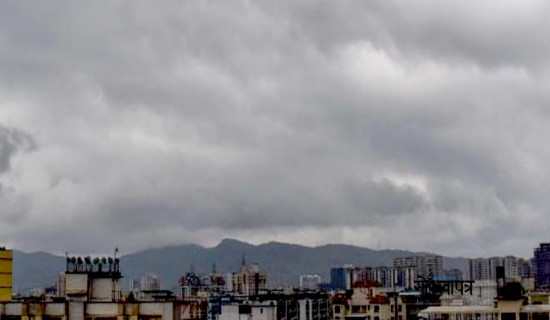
x=92, y=291
x=542, y=266
x=404, y=277
x=480, y=269
x=341, y=278
x=6, y=265
x=192, y=285
x=453, y=274
x=249, y=280
x=368, y=301
x=485, y=268
x=362, y=274
x=427, y=265
x=150, y=282
x=526, y=268
x=276, y=306
x=344, y=278
x=310, y=282
x=510, y=304
x=484, y=293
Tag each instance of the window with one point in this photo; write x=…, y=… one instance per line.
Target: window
x=337, y=309
x=392, y=307
x=399, y=308
x=376, y=309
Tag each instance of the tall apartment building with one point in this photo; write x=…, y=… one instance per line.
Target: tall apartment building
x=310, y=281
x=485, y=268
x=511, y=266
x=342, y=277
x=405, y=277
x=526, y=268
x=150, y=282
x=362, y=274
x=250, y=280
x=453, y=274
x=426, y=264
x=480, y=269
x=384, y=276
x=542, y=266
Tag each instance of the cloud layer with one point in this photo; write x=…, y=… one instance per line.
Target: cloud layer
x=418, y=126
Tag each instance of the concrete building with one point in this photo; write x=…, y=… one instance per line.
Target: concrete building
x=480, y=269
x=310, y=282
x=426, y=264
x=342, y=277
x=485, y=268
x=404, y=277
x=484, y=293
x=368, y=301
x=384, y=276
x=92, y=291
x=542, y=266
x=249, y=280
x=6, y=265
x=505, y=307
x=150, y=282
x=192, y=285
x=276, y=306
x=526, y=268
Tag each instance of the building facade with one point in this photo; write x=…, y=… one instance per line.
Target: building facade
x=542, y=266
x=427, y=265
x=6, y=265
x=250, y=280
x=310, y=282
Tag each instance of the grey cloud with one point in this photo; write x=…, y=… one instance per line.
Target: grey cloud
x=291, y=116
x=11, y=141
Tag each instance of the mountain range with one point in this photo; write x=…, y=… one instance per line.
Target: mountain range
x=283, y=262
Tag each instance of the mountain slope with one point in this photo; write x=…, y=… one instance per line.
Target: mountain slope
x=39, y=269
x=284, y=263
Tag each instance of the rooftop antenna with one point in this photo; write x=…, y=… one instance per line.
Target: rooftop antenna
x=116, y=250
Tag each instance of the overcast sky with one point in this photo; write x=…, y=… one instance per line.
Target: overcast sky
x=417, y=125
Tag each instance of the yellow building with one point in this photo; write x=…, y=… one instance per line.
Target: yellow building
x=6, y=261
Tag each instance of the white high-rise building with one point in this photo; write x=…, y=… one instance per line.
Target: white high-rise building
x=310, y=281
x=150, y=282
x=485, y=268
x=426, y=264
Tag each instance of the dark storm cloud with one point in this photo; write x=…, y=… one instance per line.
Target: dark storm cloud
x=311, y=121
x=11, y=141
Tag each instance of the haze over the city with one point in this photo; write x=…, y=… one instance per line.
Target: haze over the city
x=393, y=124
